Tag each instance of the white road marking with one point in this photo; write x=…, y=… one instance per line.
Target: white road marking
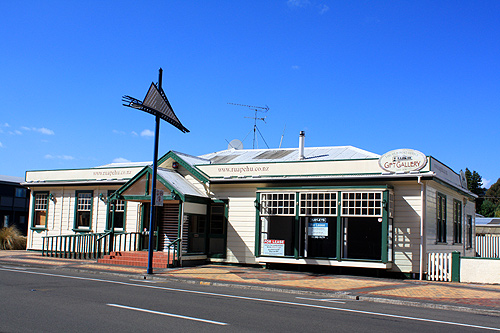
x=148, y=281
x=259, y=300
x=330, y=300
x=15, y=267
x=168, y=314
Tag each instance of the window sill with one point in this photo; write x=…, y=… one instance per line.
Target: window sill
x=116, y=231
x=81, y=230
x=39, y=228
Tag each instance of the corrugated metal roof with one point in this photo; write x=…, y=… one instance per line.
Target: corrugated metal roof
x=287, y=155
x=124, y=165
x=11, y=179
x=190, y=159
x=488, y=221
x=179, y=183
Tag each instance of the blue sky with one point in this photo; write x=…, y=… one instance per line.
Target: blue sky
x=378, y=75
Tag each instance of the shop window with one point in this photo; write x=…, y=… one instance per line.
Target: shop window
x=457, y=221
x=83, y=210
x=441, y=218
x=278, y=236
x=362, y=204
x=362, y=238
x=40, y=209
x=277, y=204
x=277, y=224
x=318, y=204
x=321, y=241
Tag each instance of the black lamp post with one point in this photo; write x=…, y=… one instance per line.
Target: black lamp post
x=157, y=104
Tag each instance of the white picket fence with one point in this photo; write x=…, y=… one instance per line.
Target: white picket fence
x=439, y=267
x=488, y=246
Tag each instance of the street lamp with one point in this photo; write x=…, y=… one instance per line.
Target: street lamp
x=157, y=104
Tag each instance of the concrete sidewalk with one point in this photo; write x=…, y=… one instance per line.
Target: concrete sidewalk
x=454, y=296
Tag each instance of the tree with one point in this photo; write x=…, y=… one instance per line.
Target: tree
x=474, y=182
x=475, y=185
x=487, y=209
x=493, y=193
x=491, y=205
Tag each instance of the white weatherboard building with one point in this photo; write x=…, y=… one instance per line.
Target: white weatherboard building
x=334, y=206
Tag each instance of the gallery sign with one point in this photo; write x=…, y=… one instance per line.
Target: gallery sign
x=402, y=160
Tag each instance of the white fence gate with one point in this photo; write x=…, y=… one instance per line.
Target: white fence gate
x=439, y=267
x=488, y=246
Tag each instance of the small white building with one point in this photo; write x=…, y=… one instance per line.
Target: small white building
x=334, y=206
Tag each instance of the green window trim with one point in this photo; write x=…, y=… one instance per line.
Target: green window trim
x=34, y=210
x=90, y=205
x=386, y=208
x=109, y=211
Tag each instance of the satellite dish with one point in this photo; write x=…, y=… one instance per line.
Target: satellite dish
x=235, y=144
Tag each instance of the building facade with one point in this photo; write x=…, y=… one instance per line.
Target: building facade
x=334, y=206
x=14, y=201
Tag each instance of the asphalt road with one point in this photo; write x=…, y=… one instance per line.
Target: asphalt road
x=54, y=301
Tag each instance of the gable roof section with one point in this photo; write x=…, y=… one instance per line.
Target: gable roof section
x=171, y=180
x=188, y=162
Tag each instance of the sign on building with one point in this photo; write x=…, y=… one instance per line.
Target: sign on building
x=402, y=160
x=274, y=247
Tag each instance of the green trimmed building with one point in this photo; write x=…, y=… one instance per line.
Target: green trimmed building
x=334, y=206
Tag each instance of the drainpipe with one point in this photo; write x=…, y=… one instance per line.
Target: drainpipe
x=422, y=226
x=301, y=145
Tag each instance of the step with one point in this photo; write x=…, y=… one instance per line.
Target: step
x=138, y=258
x=136, y=263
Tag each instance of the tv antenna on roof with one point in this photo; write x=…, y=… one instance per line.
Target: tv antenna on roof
x=256, y=109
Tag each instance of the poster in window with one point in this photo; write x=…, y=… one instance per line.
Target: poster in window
x=274, y=247
x=318, y=227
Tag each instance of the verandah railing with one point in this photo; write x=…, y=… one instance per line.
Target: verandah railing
x=93, y=245
x=173, y=252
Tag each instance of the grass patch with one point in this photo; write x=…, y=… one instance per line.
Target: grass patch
x=12, y=239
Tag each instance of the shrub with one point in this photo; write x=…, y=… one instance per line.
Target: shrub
x=11, y=239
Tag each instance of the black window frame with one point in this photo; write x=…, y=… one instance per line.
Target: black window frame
x=441, y=232
x=457, y=221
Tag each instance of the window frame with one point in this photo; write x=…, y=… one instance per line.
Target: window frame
x=34, y=210
x=75, y=220
x=269, y=206
x=317, y=204
x=457, y=222
x=441, y=206
x=350, y=208
x=469, y=236
x=383, y=195
x=109, y=214
x=20, y=192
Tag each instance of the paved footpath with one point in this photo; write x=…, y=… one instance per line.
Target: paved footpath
x=446, y=295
